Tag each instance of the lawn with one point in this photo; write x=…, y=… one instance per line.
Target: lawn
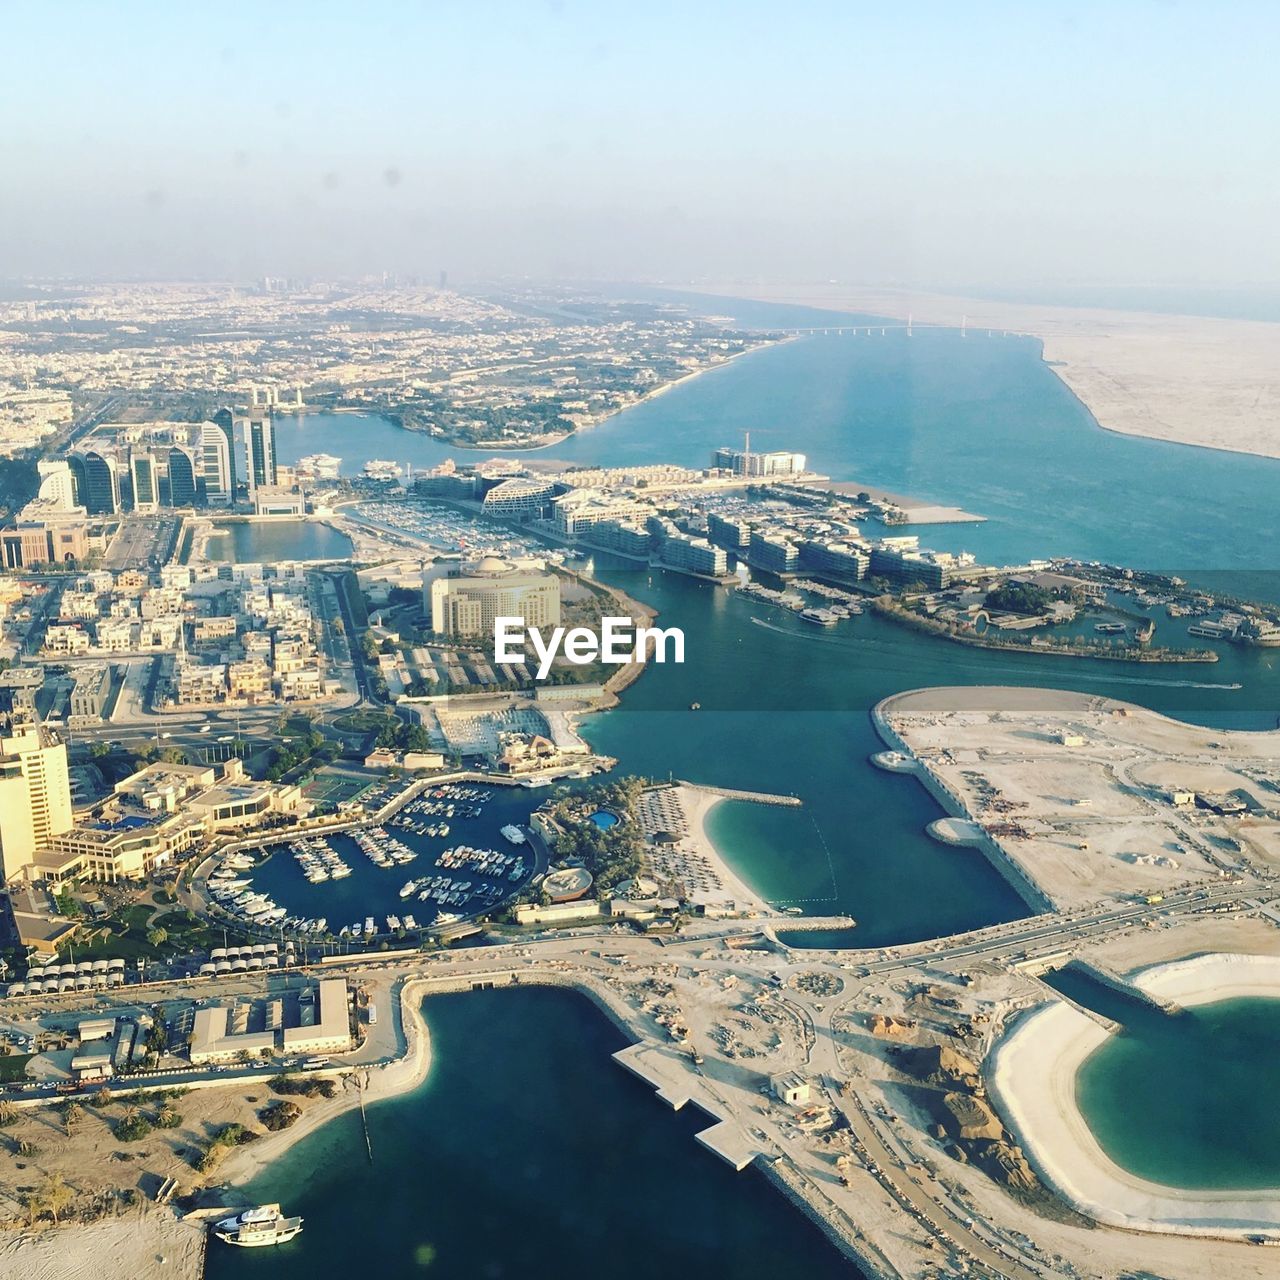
x=14, y=1067
x=125, y=935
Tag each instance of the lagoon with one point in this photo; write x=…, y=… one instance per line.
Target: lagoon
x=1187, y=1100
x=270, y=541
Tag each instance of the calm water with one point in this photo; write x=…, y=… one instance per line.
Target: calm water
x=561, y=1168
x=374, y=890
x=242, y=542
x=1177, y=1100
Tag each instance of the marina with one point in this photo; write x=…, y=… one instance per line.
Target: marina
x=342, y=886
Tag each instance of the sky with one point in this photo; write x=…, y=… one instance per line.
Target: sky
x=993, y=145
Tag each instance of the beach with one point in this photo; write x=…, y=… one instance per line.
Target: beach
x=1194, y=380
x=698, y=804
x=405, y=1071
x=1033, y=1082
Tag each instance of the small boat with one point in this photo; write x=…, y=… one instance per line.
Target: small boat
x=263, y=1224
x=513, y=833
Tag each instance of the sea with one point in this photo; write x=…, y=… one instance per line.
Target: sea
x=979, y=422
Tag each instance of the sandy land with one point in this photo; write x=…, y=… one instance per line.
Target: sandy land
x=1094, y=819
x=1188, y=379
x=151, y=1244
x=1034, y=1082
x=698, y=805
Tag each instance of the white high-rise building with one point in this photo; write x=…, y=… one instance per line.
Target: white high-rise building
x=57, y=484
x=215, y=464
x=35, y=796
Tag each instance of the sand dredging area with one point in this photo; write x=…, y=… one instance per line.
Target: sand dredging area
x=1034, y=1082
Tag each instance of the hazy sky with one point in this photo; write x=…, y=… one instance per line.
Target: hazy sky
x=932, y=143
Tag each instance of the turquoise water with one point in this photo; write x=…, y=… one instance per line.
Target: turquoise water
x=526, y=1155
x=1182, y=1101
x=242, y=542
x=604, y=819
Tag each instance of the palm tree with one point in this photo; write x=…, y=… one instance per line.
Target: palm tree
x=72, y=1114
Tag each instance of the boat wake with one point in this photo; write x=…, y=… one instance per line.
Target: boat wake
x=799, y=635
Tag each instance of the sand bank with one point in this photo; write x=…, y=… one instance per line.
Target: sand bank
x=1033, y=1081
x=1187, y=379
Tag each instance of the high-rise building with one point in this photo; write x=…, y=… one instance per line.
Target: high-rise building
x=146, y=484
x=57, y=484
x=101, y=495
x=258, y=444
x=467, y=604
x=35, y=796
x=216, y=470
x=182, y=478
x=225, y=421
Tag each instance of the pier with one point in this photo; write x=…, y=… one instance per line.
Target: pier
x=754, y=797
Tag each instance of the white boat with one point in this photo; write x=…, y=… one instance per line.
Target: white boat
x=264, y=1224
x=514, y=834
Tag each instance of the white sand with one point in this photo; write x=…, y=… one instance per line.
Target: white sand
x=1189, y=379
x=698, y=805
x=1033, y=1080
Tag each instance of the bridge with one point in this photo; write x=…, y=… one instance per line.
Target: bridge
x=882, y=330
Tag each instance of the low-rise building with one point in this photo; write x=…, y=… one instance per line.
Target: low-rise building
x=330, y=1030
x=213, y=1040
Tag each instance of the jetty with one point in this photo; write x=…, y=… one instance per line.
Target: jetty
x=1122, y=986
x=754, y=797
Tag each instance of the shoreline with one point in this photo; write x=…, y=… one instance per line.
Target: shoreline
x=380, y=1082
x=501, y=446
x=1200, y=381
x=894, y=612
x=1032, y=1078
x=698, y=805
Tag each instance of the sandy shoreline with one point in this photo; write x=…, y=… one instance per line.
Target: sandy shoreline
x=385, y=1080
x=1193, y=380
x=1033, y=1081
x=500, y=446
x=698, y=805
